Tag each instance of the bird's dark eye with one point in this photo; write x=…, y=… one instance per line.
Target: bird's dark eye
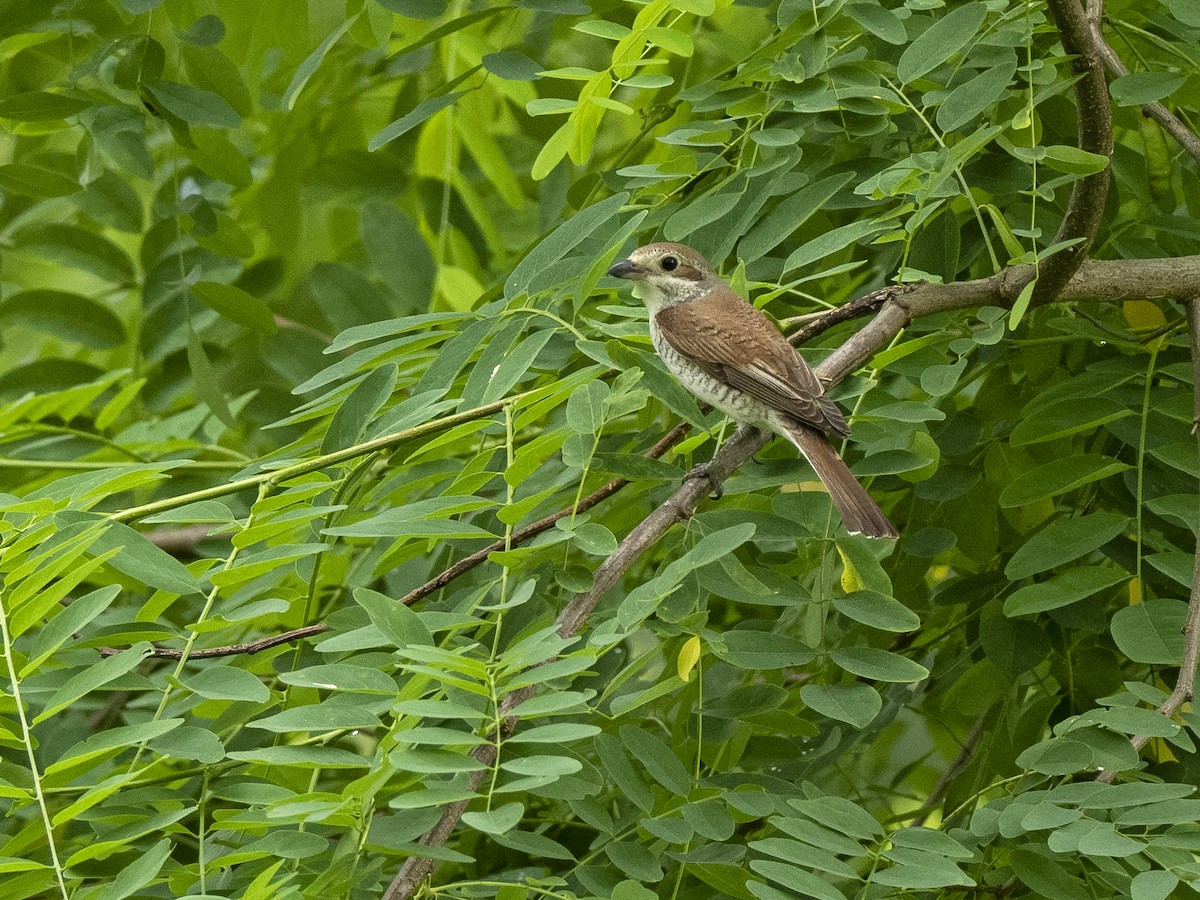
x=669, y=264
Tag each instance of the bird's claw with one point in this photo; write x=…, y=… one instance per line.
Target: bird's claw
x=705, y=470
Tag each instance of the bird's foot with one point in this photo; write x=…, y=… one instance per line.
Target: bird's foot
x=705, y=470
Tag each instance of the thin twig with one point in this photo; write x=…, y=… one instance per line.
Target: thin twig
x=934, y=800
x=1155, y=110
x=296, y=634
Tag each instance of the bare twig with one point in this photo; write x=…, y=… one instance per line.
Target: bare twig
x=439, y=581
x=934, y=800
x=296, y=634
x=1155, y=110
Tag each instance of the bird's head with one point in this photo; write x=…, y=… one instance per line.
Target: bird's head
x=669, y=274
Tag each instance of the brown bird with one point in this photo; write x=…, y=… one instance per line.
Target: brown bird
x=731, y=356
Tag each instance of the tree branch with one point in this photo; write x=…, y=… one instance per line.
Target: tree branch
x=1155, y=110
x=296, y=634
x=1085, y=208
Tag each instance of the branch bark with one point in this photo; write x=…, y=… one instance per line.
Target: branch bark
x=1085, y=208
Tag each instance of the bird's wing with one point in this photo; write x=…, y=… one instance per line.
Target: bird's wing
x=736, y=344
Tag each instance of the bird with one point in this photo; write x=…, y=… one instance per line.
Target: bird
x=731, y=356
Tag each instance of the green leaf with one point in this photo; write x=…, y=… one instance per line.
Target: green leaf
x=224, y=682
x=796, y=879
x=355, y=413
x=30, y=180
x=93, y=678
x=313, y=62
x=347, y=677
x=695, y=214
x=424, y=518
x=136, y=556
x=193, y=105
x=326, y=716
x=877, y=610
x=1062, y=418
x=1020, y=307
x=1144, y=87
x=495, y=821
x=1058, y=477
x=1064, y=541
x=399, y=624
x=512, y=65
x=855, y=704
x=841, y=815
x=557, y=733
x=208, y=389
x=561, y=241
x=658, y=759
x=1063, y=589
x=1073, y=161
x=585, y=408
x=189, y=742
x=79, y=248
x=789, y=215
x=40, y=106
x=1151, y=632
x=762, y=650
x=623, y=773
x=943, y=39
x=878, y=665
x=70, y=619
x=68, y=316
x=140, y=872
x=635, y=860
x=975, y=95
x=1154, y=884
x=411, y=119
x=235, y=305
x=830, y=242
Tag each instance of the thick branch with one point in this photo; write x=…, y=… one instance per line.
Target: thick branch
x=1085, y=208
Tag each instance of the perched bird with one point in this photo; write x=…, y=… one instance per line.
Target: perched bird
x=731, y=356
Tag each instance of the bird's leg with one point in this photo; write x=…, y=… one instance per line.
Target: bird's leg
x=704, y=470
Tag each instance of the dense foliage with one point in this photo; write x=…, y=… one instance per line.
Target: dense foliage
x=302, y=305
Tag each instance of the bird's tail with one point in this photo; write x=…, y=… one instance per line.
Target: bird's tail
x=861, y=514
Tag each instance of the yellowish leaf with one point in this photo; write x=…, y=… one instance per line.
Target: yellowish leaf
x=688, y=657
x=1143, y=315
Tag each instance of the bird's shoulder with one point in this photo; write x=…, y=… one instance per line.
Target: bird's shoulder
x=723, y=327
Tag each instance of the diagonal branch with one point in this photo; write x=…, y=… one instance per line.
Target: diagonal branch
x=1155, y=110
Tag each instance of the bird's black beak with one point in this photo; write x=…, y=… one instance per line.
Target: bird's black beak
x=627, y=268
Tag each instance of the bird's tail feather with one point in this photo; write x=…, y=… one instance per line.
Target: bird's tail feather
x=861, y=514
